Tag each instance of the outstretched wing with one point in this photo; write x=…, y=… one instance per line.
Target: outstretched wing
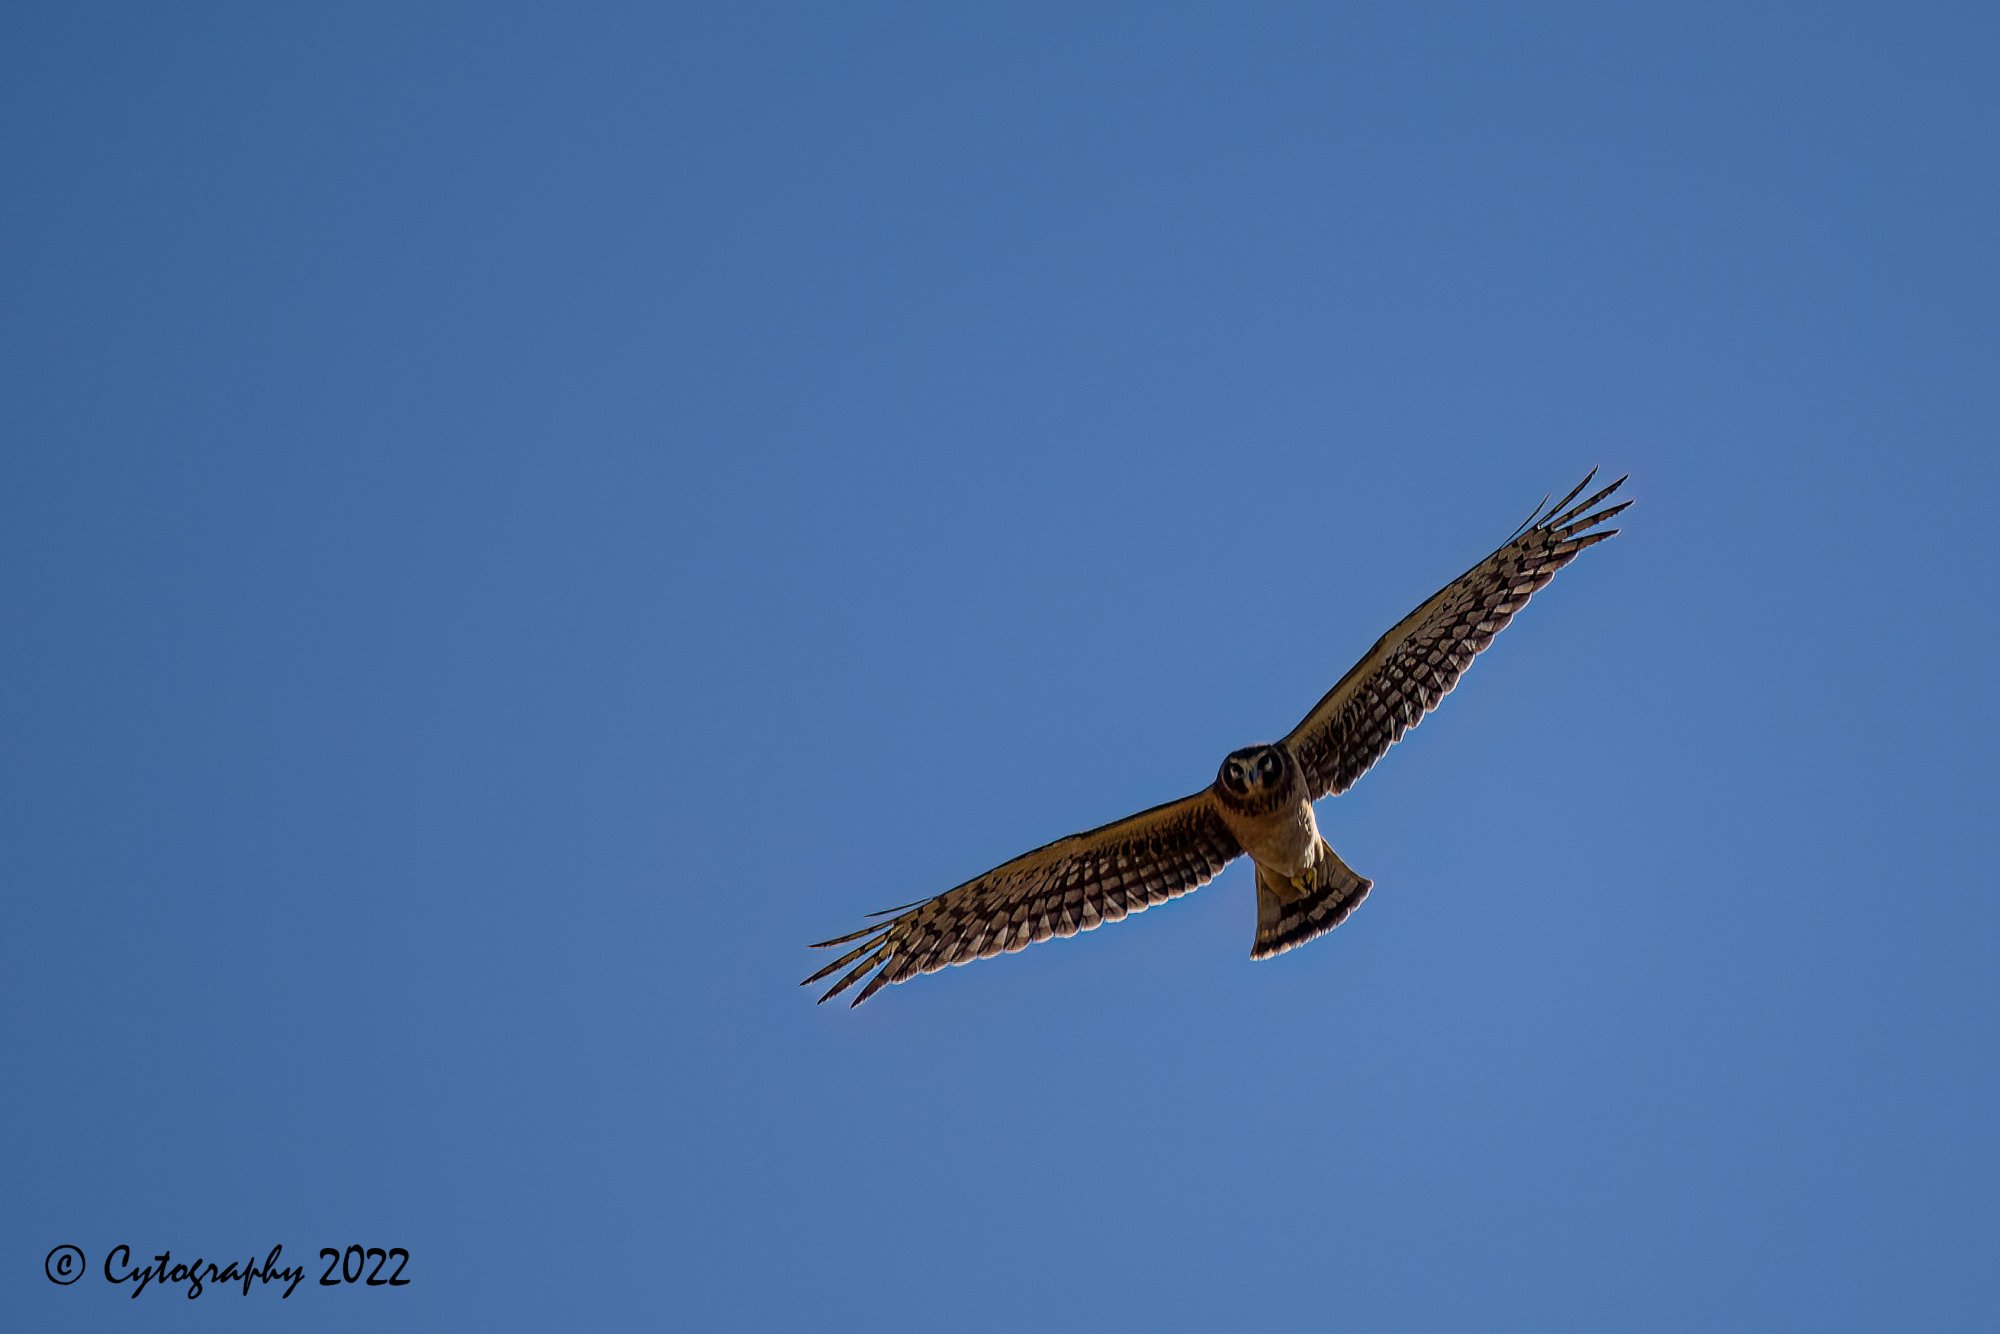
x=1415, y=665
x=1065, y=887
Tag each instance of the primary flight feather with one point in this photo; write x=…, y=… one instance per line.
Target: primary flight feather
x=1260, y=802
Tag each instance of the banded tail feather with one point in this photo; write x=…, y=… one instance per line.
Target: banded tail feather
x=1289, y=916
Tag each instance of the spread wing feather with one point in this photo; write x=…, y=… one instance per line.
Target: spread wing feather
x=1071, y=885
x=1415, y=665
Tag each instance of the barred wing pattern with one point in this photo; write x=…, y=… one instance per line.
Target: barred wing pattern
x=1413, y=667
x=1071, y=885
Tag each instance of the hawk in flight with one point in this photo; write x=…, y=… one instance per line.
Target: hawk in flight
x=1260, y=803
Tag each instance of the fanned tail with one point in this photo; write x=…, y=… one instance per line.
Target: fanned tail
x=1289, y=915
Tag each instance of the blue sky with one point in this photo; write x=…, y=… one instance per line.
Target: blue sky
x=517, y=520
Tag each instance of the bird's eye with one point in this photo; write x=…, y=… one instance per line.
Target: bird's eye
x=1235, y=773
x=1269, y=764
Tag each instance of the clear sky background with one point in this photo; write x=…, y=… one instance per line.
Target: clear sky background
x=515, y=520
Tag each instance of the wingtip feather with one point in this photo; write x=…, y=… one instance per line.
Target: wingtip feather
x=1573, y=545
x=1557, y=520
x=1589, y=521
x=852, y=935
x=1533, y=515
x=875, y=984
x=902, y=907
x=842, y=961
x=1574, y=492
x=879, y=956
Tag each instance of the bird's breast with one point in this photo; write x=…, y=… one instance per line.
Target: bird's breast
x=1283, y=840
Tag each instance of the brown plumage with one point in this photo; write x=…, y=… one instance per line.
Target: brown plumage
x=1260, y=802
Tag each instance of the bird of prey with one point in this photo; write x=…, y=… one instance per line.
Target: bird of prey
x=1260, y=803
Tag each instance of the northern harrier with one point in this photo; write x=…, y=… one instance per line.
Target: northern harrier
x=1260, y=802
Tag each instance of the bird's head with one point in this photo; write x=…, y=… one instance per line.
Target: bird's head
x=1256, y=771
